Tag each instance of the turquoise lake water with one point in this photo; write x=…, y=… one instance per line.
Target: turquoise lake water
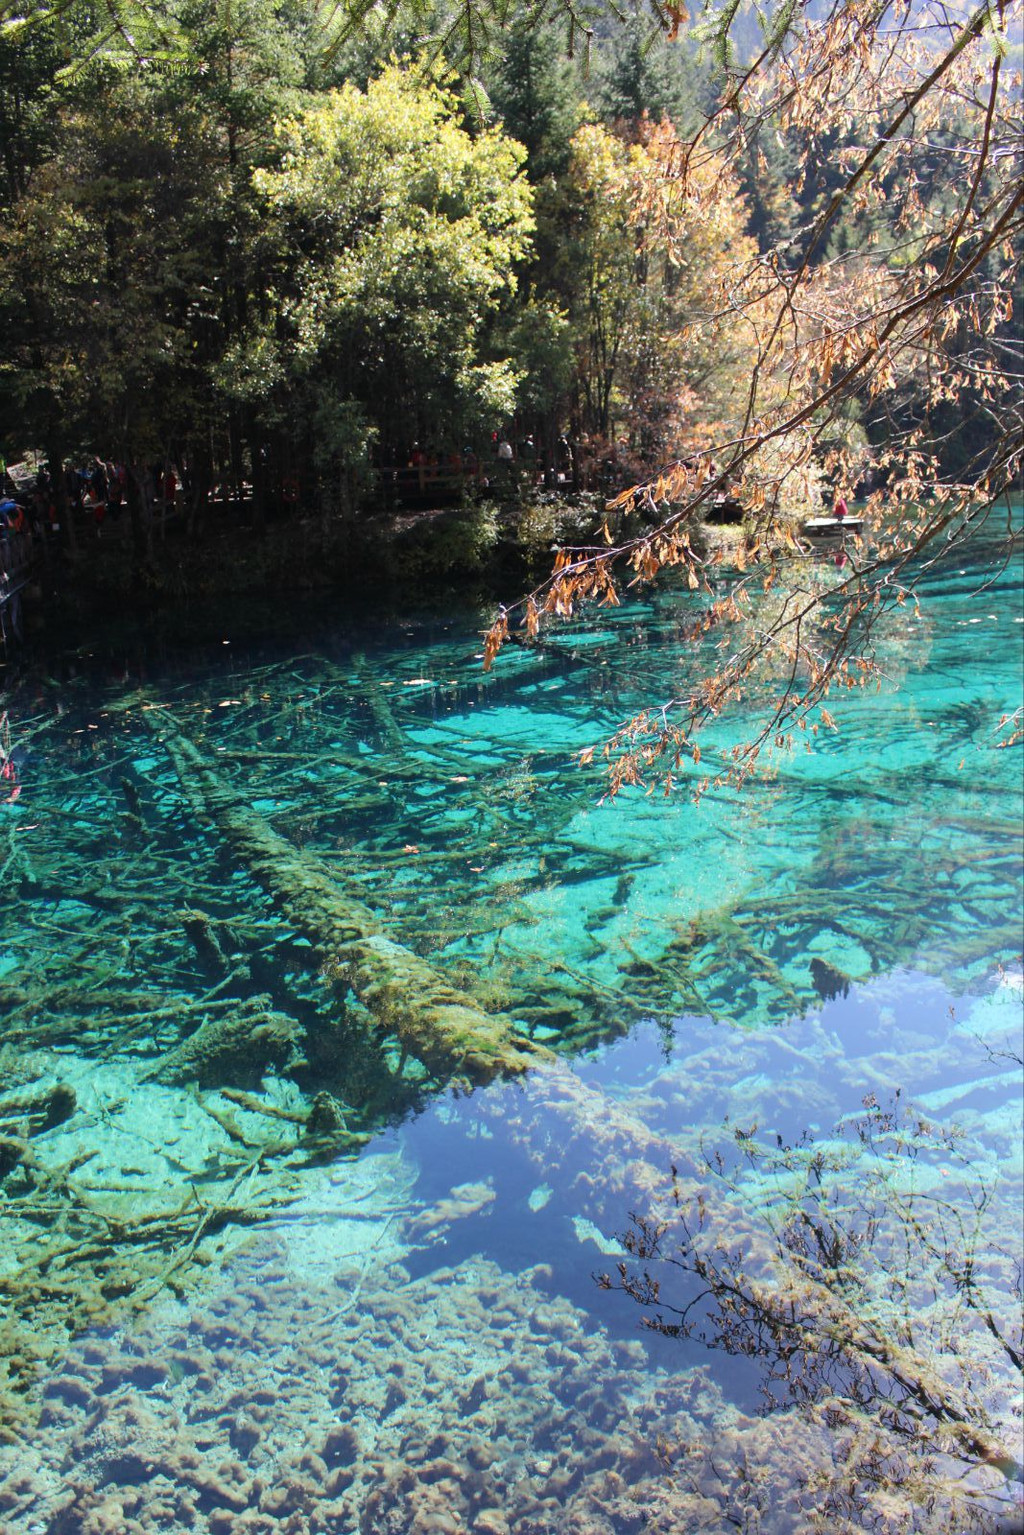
x=786, y=1087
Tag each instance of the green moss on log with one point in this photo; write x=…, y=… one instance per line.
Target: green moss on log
x=439, y=1025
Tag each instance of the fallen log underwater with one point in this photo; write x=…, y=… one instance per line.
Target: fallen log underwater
x=613, y=1164
x=432, y=1020
x=554, y=1115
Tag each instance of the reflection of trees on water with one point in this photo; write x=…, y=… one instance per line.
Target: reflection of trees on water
x=879, y=1292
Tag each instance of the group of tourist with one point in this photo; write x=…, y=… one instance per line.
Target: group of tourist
x=100, y=489
x=429, y=465
x=552, y=467
x=95, y=489
x=509, y=458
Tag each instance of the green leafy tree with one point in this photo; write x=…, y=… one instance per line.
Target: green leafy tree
x=535, y=91
x=146, y=201
x=249, y=64
x=395, y=234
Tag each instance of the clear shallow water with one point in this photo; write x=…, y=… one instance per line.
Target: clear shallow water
x=414, y=1338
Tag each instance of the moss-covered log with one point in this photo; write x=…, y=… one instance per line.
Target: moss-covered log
x=34, y=1112
x=432, y=1020
x=238, y=1047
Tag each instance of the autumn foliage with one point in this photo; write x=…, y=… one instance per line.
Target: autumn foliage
x=832, y=334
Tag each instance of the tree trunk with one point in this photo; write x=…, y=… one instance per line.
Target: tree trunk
x=65, y=512
x=140, y=511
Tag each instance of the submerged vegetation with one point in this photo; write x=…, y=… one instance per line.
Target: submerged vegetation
x=879, y=1305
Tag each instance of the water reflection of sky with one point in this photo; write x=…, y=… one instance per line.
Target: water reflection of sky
x=949, y=1058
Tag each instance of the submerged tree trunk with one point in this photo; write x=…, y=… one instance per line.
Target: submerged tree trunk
x=442, y=1027
x=611, y=1164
